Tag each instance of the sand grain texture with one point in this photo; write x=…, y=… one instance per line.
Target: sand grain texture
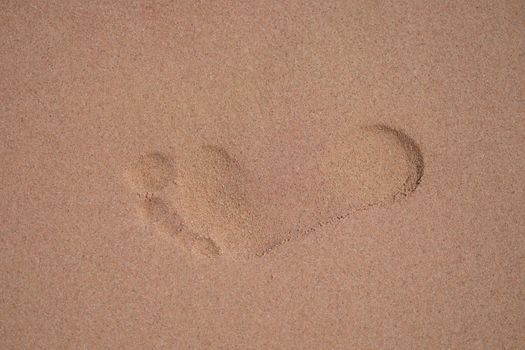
x=152, y=172
x=248, y=215
x=262, y=174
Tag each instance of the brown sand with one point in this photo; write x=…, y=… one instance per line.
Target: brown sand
x=248, y=214
x=262, y=175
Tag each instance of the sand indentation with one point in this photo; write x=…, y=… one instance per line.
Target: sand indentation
x=215, y=205
x=151, y=175
x=151, y=172
x=163, y=218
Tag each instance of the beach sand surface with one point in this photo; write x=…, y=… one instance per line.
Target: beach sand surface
x=262, y=175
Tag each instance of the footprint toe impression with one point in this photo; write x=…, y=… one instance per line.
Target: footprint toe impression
x=152, y=174
x=215, y=206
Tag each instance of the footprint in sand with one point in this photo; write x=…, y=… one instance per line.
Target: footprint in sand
x=213, y=205
x=151, y=174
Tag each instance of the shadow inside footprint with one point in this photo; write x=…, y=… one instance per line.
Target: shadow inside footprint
x=218, y=207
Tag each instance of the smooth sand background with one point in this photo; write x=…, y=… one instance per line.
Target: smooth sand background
x=87, y=87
